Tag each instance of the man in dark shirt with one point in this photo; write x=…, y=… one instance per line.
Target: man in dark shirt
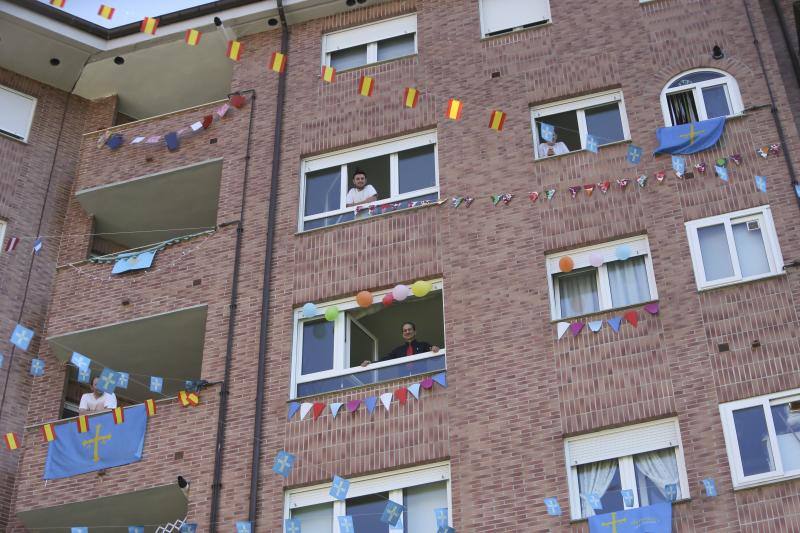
x=411, y=346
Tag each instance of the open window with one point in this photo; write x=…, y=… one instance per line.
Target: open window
x=16, y=113
x=400, y=170
x=380, y=41
x=700, y=95
x=504, y=16
x=329, y=354
x=762, y=436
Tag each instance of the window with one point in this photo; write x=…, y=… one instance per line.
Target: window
x=400, y=170
x=329, y=354
x=380, y=41
x=503, y=16
x=16, y=113
x=644, y=459
x=735, y=247
x=762, y=436
x=3, y=225
x=700, y=95
x=421, y=490
x=599, y=280
x=601, y=115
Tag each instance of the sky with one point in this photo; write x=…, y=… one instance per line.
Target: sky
x=125, y=11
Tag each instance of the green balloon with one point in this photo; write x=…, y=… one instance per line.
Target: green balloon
x=331, y=313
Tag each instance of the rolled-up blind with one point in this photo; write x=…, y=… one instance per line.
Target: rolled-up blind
x=499, y=15
x=16, y=113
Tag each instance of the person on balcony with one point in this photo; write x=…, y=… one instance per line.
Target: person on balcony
x=362, y=192
x=97, y=400
x=552, y=147
x=410, y=346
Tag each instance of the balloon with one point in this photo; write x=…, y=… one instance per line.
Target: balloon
x=421, y=288
x=309, y=310
x=331, y=313
x=364, y=298
x=596, y=260
x=388, y=299
x=400, y=293
x=566, y=264
x=624, y=252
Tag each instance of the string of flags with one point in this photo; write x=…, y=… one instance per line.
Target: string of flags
x=631, y=317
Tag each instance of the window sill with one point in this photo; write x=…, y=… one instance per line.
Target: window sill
x=351, y=390
x=375, y=64
x=741, y=282
x=486, y=38
x=581, y=151
x=757, y=484
x=371, y=217
x=601, y=312
x=12, y=138
x=582, y=520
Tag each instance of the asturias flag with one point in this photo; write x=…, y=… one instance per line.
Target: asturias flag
x=133, y=261
x=650, y=519
x=690, y=138
x=106, y=444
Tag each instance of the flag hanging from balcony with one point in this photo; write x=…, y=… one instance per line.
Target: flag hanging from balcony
x=105, y=446
x=655, y=518
x=328, y=74
x=366, y=85
x=149, y=25
x=453, y=109
x=234, y=50
x=119, y=415
x=690, y=138
x=410, y=97
x=106, y=11
x=192, y=37
x=277, y=62
x=133, y=261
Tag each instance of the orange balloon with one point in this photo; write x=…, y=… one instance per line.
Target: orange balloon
x=566, y=264
x=364, y=298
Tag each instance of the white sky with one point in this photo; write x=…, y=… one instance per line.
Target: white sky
x=126, y=11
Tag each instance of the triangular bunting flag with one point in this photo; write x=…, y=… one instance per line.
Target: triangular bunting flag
x=353, y=405
x=335, y=408
x=305, y=408
x=632, y=317
x=588, y=189
x=575, y=328
x=595, y=325
x=426, y=383
x=317, y=409
x=615, y=322
x=562, y=328
x=414, y=390
x=651, y=308
x=533, y=196
x=441, y=379
x=293, y=408
x=370, y=403
x=386, y=399
x=402, y=395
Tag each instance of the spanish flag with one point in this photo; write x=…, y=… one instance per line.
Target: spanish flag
x=410, y=97
x=328, y=74
x=12, y=441
x=192, y=37
x=150, y=406
x=58, y=3
x=188, y=398
x=277, y=62
x=149, y=25
x=453, y=109
x=366, y=85
x=119, y=415
x=497, y=120
x=106, y=11
x=83, y=424
x=49, y=432
x=234, y=50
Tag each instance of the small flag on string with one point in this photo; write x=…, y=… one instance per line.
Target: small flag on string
x=573, y=191
x=12, y=441
x=454, y=108
x=591, y=143
x=642, y=180
x=736, y=158
x=549, y=193
x=365, y=85
x=189, y=528
x=700, y=167
x=138, y=139
x=150, y=407
x=173, y=143
x=410, y=97
x=317, y=409
x=722, y=172
x=244, y=527
x=339, y=488
x=346, y=524
x=122, y=380
x=634, y=154
x=497, y=120
x=291, y=525
x=84, y=374
x=11, y=244
x=106, y=11
x=335, y=408
x=80, y=360
x=58, y=3
x=108, y=381
x=440, y=378
x=533, y=196
x=284, y=462
x=37, y=245
x=604, y=186
x=761, y=183
x=119, y=415
x=710, y=486
x=615, y=322
x=37, y=368
x=553, y=508
x=156, y=384
x=21, y=337
x=234, y=50
x=83, y=424
x=370, y=403
x=192, y=37
x=277, y=62
x=548, y=131
x=292, y=409
x=660, y=175
x=622, y=183
x=305, y=408
x=48, y=432
x=763, y=151
x=328, y=74
x=442, y=515
x=149, y=25
x=678, y=165
x=188, y=398
x=135, y=529
x=392, y=513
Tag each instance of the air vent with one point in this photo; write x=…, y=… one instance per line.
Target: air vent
x=753, y=225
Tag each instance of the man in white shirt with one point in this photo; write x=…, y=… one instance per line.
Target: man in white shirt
x=97, y=400
x=362, y=193
x=551, y=148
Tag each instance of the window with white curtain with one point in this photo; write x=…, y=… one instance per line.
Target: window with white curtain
x=700, y=95
x=379, y=41
x=734, y=247
x=503, y=16
x=762, y=436
x=16, y=113
x=646, y=459
x=599, y=280
x=421, y=490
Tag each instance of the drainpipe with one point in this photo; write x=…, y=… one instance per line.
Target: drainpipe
x=216, y=485
x=773, y=109
x=265, y=294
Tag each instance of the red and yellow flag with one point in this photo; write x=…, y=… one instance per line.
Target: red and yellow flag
x=48, y=432
x=497, y=120
x=277, y=62
x=12, y=441
x=192, y=37
x=106, y=11
x=453, y=109
x=366, y=85
x=235, y=49
x=188, y=398
x=149, y=25
x=150, y=406
x=119, y=415
x=410, y=97
x=58, y=3
x=328, y=74
x=83, y=424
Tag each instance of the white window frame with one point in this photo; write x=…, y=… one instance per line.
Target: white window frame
x=763, y=215
x=618, y=444
x=369, y=35
x=340, y=347
x=392, y=148
x=740, y=481
x=3, y=226
x=34, y=102
x=392, y=482
x=483, y=16
x=640, y=246
x=579, y=105
x=732, y=92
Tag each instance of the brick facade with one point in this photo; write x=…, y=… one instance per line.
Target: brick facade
x=515, y=392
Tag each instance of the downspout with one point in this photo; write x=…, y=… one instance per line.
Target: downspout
x=773, y=109
x=216, y=485
x=787, y=42
x=265, y=293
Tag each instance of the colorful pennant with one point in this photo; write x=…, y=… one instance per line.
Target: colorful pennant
x=48, y=432
x=328, y=74
x=12, y=441
x=192, y=37
x=83, y=423
x=235, y=49
x=454, y=108
x=410, y=97
x=119, y=415
x=149, y=25
x=58, y=3
x=497, y=120
x=150, y=407
x=366, y=85
x=106, y=11
x=277, y=62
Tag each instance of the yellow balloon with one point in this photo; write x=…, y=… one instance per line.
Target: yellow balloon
x=421, y=288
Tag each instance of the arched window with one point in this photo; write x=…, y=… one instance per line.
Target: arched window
x=700, y=95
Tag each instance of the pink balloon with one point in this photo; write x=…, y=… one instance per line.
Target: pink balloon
x=400, y=293
x=596, y=259
x=388, y=299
